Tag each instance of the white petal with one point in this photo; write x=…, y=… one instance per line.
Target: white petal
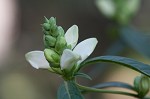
x=85, y=48
x=68, y=59
x=107, y=7
x=71, y=36
x=37, y=59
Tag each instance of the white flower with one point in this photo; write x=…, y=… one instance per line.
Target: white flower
x=107, y=7
x=70, y=57
x=37, y=59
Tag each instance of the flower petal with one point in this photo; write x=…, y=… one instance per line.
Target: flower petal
x=37, y=59
x=71, y=36
x=85, y=48
x=68, y=59
x=107, y=7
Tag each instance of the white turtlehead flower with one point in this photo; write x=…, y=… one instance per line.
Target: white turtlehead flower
x=78, y=53
x=37, y=59
x=70, y=57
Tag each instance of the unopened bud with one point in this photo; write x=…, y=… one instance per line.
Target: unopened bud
x=53, y=25
x=60, y=44
x=46, y=20
x=52, y=21
x=45, y=44
x=142, y=85
x=136, y=82
x=58, y=32
x=45, y=32
x=50, y=41
x=52, y=57
x=46, y=26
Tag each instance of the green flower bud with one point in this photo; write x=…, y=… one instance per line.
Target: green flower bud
x=45, y=44
x=46, y=26
x=53, y=25
x=61, y=31
x=49, y=40
x=45, y=32
x=52, y=57
x=136, y=82
x=142, y=85
x=58, y=32
x=46, y=20
x=52, y=21
x=61, y=44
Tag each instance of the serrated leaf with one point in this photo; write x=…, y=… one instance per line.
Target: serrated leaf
x=137, y=40
x=83, y=75
x=69, y=90
x=127, y=62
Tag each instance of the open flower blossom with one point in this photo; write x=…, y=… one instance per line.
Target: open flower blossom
x=70, y=57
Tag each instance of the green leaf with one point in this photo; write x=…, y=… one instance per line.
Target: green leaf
x=83, y=75
x=86, y=89
x=127, y=62
x=69, y=90
x=137, y=40
x=114, y=84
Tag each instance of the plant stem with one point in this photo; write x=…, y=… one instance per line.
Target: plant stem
x=90, y=89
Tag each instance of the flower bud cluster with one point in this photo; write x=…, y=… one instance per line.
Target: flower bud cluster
x=54, y=41
x=142, y=85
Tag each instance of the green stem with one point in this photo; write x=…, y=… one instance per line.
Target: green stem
x=89, y=89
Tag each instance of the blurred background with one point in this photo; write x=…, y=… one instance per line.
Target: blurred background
x=122, y=27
